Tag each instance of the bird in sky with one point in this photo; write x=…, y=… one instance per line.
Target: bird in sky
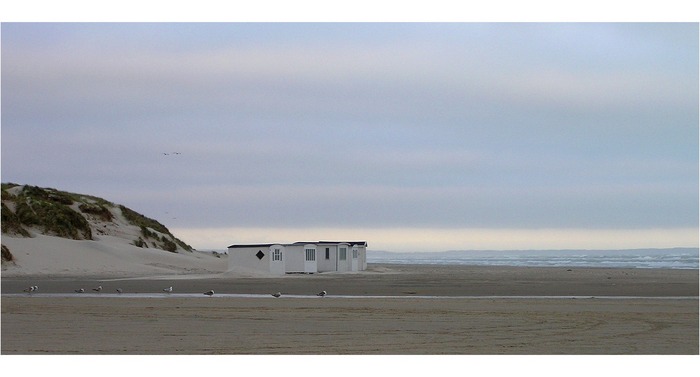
x=209, y=293
x=98, y=289
x=168, y=290
x=322, y=293
x=119, y=290
x=81, y=290
x=276, y=295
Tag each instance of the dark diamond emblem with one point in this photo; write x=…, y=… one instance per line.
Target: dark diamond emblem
x=260, y=254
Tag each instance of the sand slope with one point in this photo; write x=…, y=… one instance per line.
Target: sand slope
x=106, y=256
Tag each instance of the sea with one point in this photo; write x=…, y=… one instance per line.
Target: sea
x=676, y=258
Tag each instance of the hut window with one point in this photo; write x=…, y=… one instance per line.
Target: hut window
x=354, y=253
x=343, y=253
x=328, y=253
x=277, y=255
x=310, y=254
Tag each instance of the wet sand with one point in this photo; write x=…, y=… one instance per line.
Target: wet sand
x=661, y=319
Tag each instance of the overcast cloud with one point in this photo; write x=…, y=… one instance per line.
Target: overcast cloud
x=362, y=126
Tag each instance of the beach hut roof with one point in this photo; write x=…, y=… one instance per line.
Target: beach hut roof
x=354, y=243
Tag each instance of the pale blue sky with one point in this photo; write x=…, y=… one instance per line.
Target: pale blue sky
x=337, y=129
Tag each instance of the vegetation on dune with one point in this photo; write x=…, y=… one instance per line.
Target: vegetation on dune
x=140, y=243
x=6, y=194
x=168, y=244
x=54, y=212
x=49, y=210
x=11, y=223
x=47, y=195
x=140, y=220
x=183, y=245
x=101, y=212
x=7, y=255
x=149, y=231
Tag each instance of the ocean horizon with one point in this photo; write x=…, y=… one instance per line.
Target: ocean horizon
x=672, y=258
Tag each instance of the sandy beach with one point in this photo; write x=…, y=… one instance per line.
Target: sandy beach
x=426, y=310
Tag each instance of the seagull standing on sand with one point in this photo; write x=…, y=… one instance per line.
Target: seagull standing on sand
x=322, y=293
x=276, y=295
x=81, y=290
x=98, y=289
x=168, y=290
x=209, y=293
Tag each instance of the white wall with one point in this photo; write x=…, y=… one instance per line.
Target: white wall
x=277, y=267
x=310, y=266
x=354, y=258
x=245, y=257
x=363, y=257
x=323, y=264
x=294, y=255
x=344, y=265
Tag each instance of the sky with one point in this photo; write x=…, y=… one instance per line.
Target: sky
x=412, y=136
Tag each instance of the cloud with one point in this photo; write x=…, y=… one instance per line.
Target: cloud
x=519, y=126
x=348, y=205
x=438, y=79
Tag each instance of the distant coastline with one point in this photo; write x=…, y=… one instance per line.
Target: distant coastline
x=671, y=258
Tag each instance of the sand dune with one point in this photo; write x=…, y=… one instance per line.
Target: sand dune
x=106, y=256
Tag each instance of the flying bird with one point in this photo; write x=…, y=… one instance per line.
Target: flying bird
x=322, y=293
x=30, y=289
x=119, y=290
x=98, y=289
x=209, y=293
x=81, y=290
x=276, y=295
x=168, y=290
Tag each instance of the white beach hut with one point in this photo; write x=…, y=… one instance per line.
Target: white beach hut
x=300, y=257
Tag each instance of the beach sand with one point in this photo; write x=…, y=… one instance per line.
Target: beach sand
x=592, y=318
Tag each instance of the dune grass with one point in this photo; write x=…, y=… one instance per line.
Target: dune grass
x=53, y=212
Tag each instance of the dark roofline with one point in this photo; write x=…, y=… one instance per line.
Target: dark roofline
x=252, y=245
x=361, y=243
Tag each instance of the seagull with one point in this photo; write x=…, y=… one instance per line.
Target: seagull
x=276, y=295
x=119, y=290
x=81, y=290
x=99, y=288
x=322, y=293
x=30, y=289
x=209, y=293
x=168, y=290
